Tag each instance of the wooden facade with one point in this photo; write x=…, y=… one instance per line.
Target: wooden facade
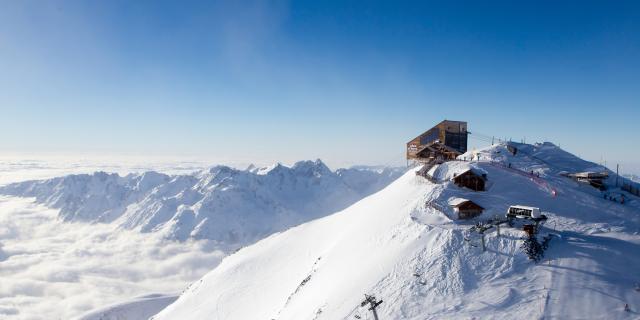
x=438, y=152
x=449, y=136
x=470, y=179
x=466, y=209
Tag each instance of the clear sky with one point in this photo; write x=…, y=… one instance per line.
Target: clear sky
x=344, y=81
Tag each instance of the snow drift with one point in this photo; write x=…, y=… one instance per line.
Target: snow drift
x=424, y=265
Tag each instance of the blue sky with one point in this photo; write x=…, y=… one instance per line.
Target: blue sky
x=344, y=81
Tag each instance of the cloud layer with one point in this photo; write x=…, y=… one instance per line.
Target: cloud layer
x=61, y=270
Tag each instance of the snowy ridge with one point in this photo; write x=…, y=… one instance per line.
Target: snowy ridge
x=394, y=245
x=138, y=308
x=234, y=207
x=633, y=177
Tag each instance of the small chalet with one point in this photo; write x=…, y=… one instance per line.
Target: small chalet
x=436, y=152
x=464, y=208
x=470, y=179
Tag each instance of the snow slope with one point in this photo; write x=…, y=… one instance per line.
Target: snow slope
x=137, y=308
x=633, y=177
x=233, y=207
x=397, y=246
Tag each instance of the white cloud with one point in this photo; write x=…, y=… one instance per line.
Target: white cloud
x=55, y=270
x=20, y=167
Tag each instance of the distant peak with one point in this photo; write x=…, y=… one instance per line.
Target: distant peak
x=220, y=168
x=310, y=164
x=266, y=170
x=317, y=167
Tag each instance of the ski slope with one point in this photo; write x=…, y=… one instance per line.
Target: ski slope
x=414, y=258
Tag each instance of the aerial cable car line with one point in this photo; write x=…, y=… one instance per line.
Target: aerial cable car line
x=484, y=137
x=480, y=135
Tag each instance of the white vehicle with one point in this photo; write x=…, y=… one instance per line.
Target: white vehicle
x=523, y=212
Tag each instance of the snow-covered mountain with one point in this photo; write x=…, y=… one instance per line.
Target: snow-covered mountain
x=234, y=207
x=403, y=246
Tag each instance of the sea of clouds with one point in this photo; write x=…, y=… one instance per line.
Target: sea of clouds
x=55, y=270
x=19, y=168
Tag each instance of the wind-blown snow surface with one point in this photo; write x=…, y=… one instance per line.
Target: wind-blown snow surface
x=415, y=258
x=233, y=207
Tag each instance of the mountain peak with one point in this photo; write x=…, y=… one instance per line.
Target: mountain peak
x=317, y=167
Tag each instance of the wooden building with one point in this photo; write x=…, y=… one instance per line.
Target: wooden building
x=595, y=179
x=465, y=209
x=436, y=152
x=447, y=140
x=471, y=180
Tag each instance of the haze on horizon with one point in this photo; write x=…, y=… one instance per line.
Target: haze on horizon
x=347, y=82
